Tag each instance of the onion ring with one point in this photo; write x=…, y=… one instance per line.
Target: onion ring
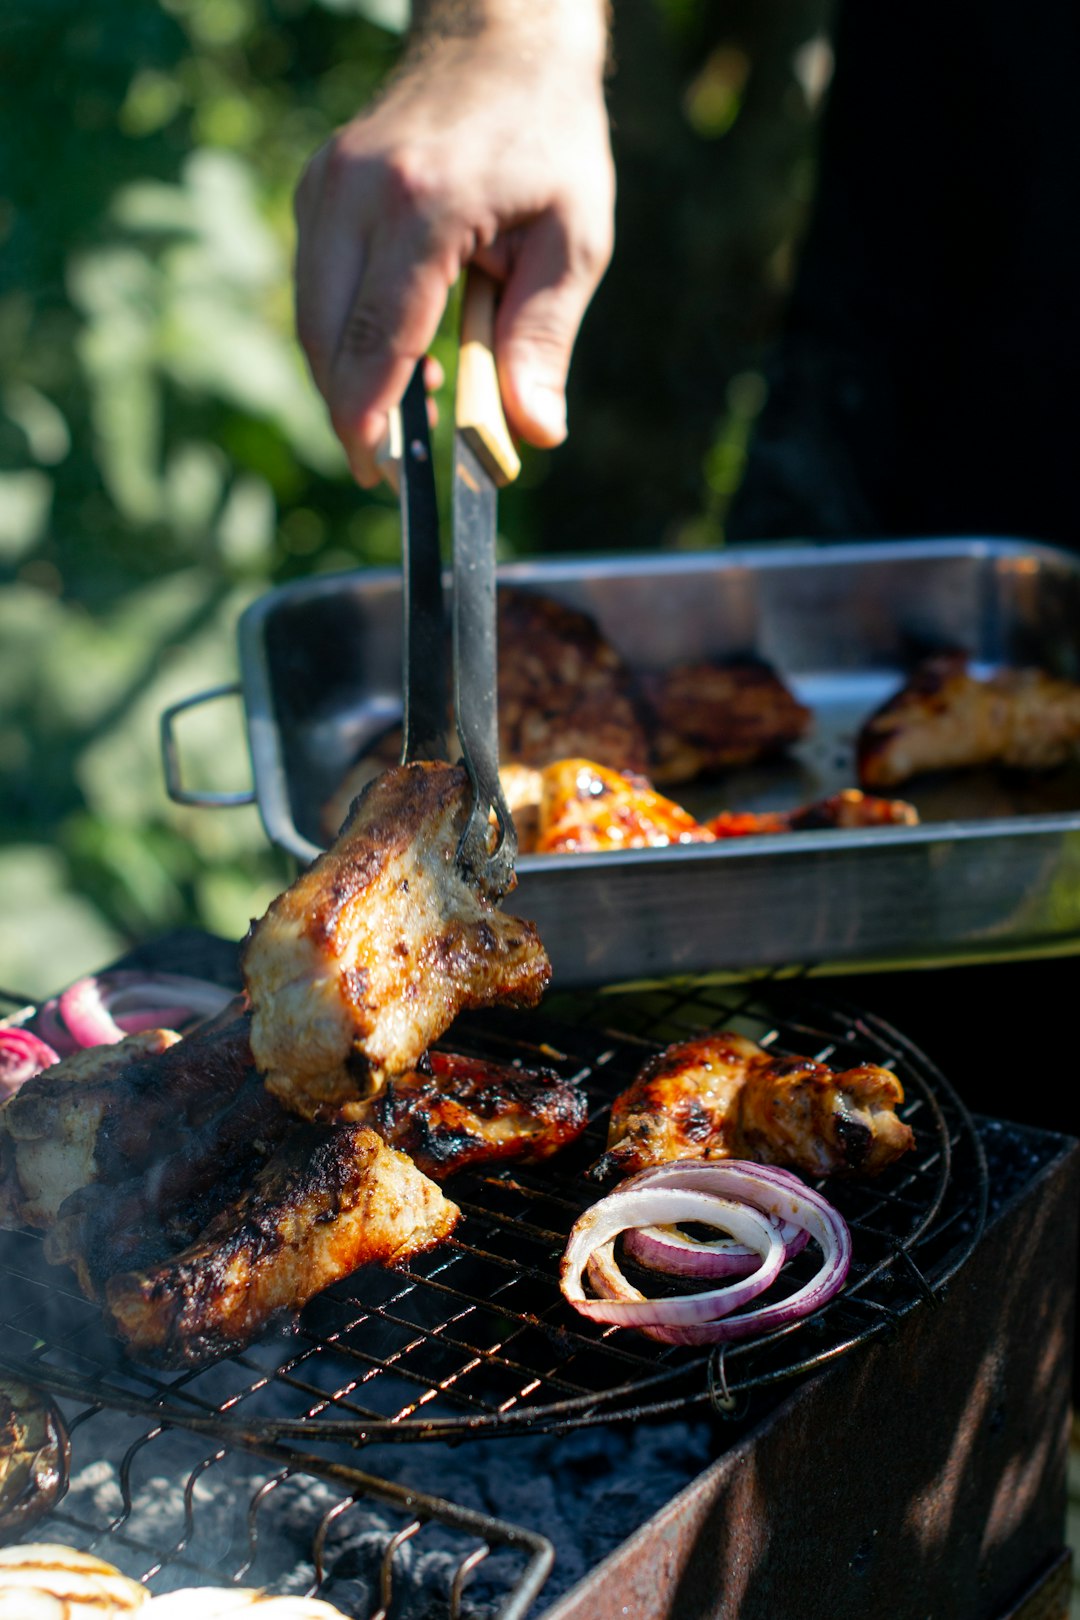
x=665, y=1248
x=603, y=1222
x=102, y=1008
x=782, y=1195
x=22, y=1055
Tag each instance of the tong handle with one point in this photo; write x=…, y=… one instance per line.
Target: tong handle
x=423, y=618
x=478, y=411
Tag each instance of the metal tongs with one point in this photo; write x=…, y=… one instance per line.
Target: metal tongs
x=484, y=459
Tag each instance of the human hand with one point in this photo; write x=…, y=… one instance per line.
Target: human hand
x=481, y=152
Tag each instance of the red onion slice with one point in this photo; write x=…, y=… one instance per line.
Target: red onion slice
x=88, y=1019
x=765, y=1188
x=48, y=1024
x=102, y=1008
x=665, y=1248
x=22, y=1055
x=626, y=1208
x=784, y=1197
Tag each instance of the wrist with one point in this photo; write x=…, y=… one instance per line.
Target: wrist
x=570, y=36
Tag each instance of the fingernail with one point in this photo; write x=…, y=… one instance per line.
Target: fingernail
x=547, y=407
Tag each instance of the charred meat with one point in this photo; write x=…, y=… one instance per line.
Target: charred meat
x=945, y=718
x=849, y=808
x=713, y=715
x=53, y=1127
x=333, y=1198
x=563, y=688
x=131, y=1224
x=457, y=1113
x=364, y=962
x=724, y=1097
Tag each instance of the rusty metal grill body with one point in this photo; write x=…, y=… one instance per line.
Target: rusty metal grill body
x=474, y=1339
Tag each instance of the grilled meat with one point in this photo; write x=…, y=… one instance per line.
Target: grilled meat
x=563, y=689
x=724, y=1097
x=52, y=1128
x=849, y=808
x=367, y=959
x=333, y=1198
x=945, y=718
x=712, y=715
x=456, y=1113
x=132, y=1224
x=585, y=806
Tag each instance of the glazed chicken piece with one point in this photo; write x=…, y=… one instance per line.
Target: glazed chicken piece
x=849, y=808
x=364, y=962
x=713, y=715
x=584, y=806
x=724, y=1097
x=333, y=1198
x=946, y=718
x=456, y=1113
x=563, y=688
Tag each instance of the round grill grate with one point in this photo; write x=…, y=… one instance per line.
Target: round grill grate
x=475, y=1339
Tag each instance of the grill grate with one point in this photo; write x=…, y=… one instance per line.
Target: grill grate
x=475, y=1339
x=174, y=1509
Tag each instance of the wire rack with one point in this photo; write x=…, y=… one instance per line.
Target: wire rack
x=475, y=1339
x=173, y=1509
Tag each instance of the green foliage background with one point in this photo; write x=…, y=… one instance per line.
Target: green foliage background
x=164, y=458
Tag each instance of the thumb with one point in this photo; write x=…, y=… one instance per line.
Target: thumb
x=539, y=315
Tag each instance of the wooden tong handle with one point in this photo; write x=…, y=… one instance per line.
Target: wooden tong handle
x=478, y=411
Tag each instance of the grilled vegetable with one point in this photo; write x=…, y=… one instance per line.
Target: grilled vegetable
x=210, y=1602
x=34, y=1455
x=44, y=1581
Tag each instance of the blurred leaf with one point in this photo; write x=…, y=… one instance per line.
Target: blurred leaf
x=25, y=498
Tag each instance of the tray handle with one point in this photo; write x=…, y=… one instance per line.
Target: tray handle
x=170, y=756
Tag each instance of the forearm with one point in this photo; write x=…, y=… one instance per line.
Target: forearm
x=575, y=29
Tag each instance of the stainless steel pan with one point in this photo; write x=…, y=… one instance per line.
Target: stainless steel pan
x=993, y=869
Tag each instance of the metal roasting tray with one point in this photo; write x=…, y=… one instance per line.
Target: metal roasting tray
x=993, y=868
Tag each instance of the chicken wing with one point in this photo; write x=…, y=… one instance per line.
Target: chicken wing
x=713, y=715
x=456, y=1113
x=946, y=718
x=849, y=808
x=362, y=964
x=585, y=806
x=333, y=1198
x=724, y=1097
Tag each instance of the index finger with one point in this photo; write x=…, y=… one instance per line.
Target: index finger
x=390, y=325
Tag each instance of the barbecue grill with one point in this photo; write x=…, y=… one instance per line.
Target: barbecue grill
x=473, y=1341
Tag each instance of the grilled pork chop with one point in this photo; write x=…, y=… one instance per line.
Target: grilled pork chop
x=945, y=718
x=563, y=688
x=724, y=1097
x=333, y=1198
x=52, y=1128
x=128, y=1225
x=713, y=715
x=357, y=968
x=455, y=1113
